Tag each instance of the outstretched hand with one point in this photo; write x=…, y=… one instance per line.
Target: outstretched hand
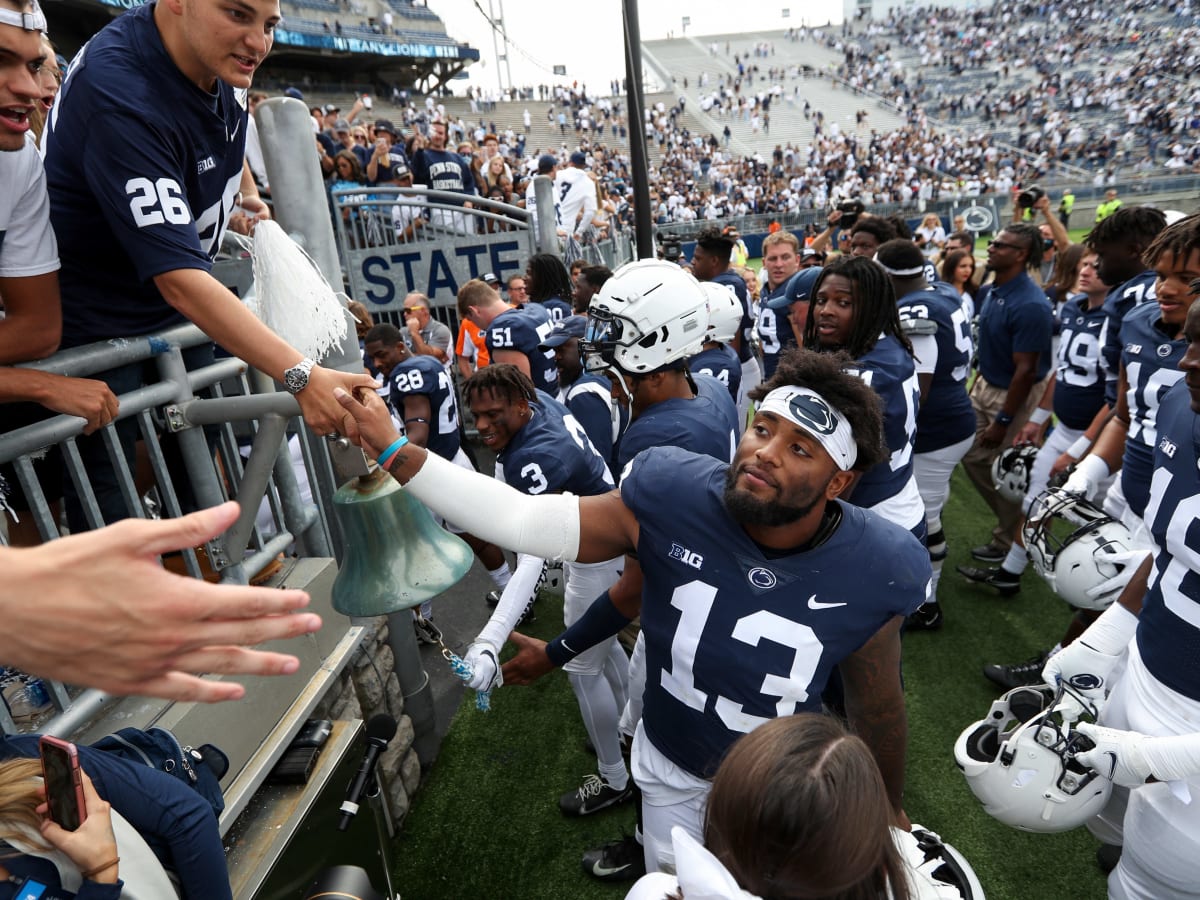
x=109, y=616
x=366, y=420
x=317, y=403
x=530, y=663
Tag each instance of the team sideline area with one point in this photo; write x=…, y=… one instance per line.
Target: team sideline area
x=487, y=824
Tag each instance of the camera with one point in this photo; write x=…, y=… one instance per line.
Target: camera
x=850, y=210
x=670, y=249
x=1028, y=197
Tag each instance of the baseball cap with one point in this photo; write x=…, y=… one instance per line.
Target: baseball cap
x=294, y=93
x=571, y=326
x=546, y=162
x=579, y=158
x=332, y=108
x=385, y=125
x=400, y=168
x=341, y=125
x=489, y=278
x=799, y=287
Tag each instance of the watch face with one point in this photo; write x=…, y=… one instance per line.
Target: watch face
x=295, y=379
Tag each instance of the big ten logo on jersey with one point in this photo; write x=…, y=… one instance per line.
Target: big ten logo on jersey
x=686, y=556
x=437, y=271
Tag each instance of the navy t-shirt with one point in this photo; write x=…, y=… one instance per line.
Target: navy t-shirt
x=737, y=635
x=142, y=168
x=1014, y=317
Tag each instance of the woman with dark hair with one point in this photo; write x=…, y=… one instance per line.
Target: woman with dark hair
x=548, y=282
x=958, y=271
x=797, y=809
x=1065, y=275
x=854, y=310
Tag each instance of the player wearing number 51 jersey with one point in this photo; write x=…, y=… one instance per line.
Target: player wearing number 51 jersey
x=512, y=336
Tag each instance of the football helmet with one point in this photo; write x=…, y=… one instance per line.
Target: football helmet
x=650, y=314
x=1020, y=761
x=724, y=312
x=1011, y=471
x=934, y=869
x=1073, y=545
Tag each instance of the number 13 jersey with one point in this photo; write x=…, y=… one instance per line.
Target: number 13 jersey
x=735, y=634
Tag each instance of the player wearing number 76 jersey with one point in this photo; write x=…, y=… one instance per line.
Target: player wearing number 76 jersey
x=755, y=587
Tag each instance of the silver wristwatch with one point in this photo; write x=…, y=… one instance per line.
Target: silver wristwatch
x=295, y=379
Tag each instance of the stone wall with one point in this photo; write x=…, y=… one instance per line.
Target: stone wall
x=368, y=687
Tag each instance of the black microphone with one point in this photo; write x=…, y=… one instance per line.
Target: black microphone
x=380, y=730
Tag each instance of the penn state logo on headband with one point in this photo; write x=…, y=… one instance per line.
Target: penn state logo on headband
x=814, y=413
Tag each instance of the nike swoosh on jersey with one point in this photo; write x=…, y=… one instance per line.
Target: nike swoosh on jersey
x=814, y=603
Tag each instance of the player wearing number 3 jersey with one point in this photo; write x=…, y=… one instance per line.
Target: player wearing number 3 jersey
x=755, y=587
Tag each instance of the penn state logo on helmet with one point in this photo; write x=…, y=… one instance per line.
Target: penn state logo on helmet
x=1011, y=472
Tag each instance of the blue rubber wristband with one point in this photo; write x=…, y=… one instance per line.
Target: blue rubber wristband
x=391, y=448
x=599, y=622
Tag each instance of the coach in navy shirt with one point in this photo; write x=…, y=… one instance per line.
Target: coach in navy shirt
x=1015, y=325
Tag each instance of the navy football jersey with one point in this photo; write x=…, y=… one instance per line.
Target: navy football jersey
x=589, y=398
x=946, y=416
x=705, y=424
x=1151, y=360
x=524, y=330
x=721, y=363
x=888, y=369
x=551, y=454
x=142, y=168
x=1079, y=376
x=1118, y=303
x=1168, y=632
x=425, y=375
x=736, y=635
x=557, y=308
x=746, y=329
x=775, y=333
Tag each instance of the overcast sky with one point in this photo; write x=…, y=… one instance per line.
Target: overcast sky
x=586, y=37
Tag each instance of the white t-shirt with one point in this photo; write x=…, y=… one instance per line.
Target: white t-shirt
x=27, y=243
x=574, y=192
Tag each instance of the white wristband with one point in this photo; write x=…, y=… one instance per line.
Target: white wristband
x=1111, y=633
x=1040, y=416
x=1079, y=448
x=546, y=526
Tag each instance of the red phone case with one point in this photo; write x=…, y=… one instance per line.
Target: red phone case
x=64, y=786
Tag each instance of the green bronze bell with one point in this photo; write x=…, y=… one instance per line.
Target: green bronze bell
x=396, y=556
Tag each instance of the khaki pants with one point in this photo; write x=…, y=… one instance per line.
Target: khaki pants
x=987, y=401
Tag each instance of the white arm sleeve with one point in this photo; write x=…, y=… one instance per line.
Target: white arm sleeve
x=925, y=351
x=545, y=526
x=517, y=594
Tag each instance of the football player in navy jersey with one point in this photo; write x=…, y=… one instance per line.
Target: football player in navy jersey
x=1153, y=346
x=854, y=309
x=145, y=163
x=710, y=262
x=932, y=317
x=549, y=283
x=586, y=394
x=1120, y=242
x=512, y=336
x=716, y=358
x=422, y=398
x=781, y=260
x=752, y=593
x=1147, y=740
x=541, y=449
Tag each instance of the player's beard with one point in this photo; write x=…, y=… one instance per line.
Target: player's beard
x=749, y=510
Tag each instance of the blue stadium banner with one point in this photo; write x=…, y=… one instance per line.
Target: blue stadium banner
x=382, y=276
x=380, y=47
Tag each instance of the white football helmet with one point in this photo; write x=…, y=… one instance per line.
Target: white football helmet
x=1020, y=761
x=724, y=312
x=1068, y=540
x=935, y=870
x=1011, y=471
x=649, y=314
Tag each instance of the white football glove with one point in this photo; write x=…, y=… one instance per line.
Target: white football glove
x=1086, y=662
x=484, y=660
x=1131, y=560
x=1089, y=472
x=1117, y=755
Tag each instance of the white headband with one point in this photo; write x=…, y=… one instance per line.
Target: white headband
x=33, y=20
x=809, y=410
x=701, y=875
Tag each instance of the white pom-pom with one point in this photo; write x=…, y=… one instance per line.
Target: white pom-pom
x=291, y=295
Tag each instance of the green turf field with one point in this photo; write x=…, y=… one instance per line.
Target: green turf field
x=486, y=823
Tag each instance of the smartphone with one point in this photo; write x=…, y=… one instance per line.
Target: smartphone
x=64, y=786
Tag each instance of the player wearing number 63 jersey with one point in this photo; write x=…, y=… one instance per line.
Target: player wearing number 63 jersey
x=759, y=589
x=854, y=309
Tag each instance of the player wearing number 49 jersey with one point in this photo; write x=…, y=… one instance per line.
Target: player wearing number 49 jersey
x=758, y=594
